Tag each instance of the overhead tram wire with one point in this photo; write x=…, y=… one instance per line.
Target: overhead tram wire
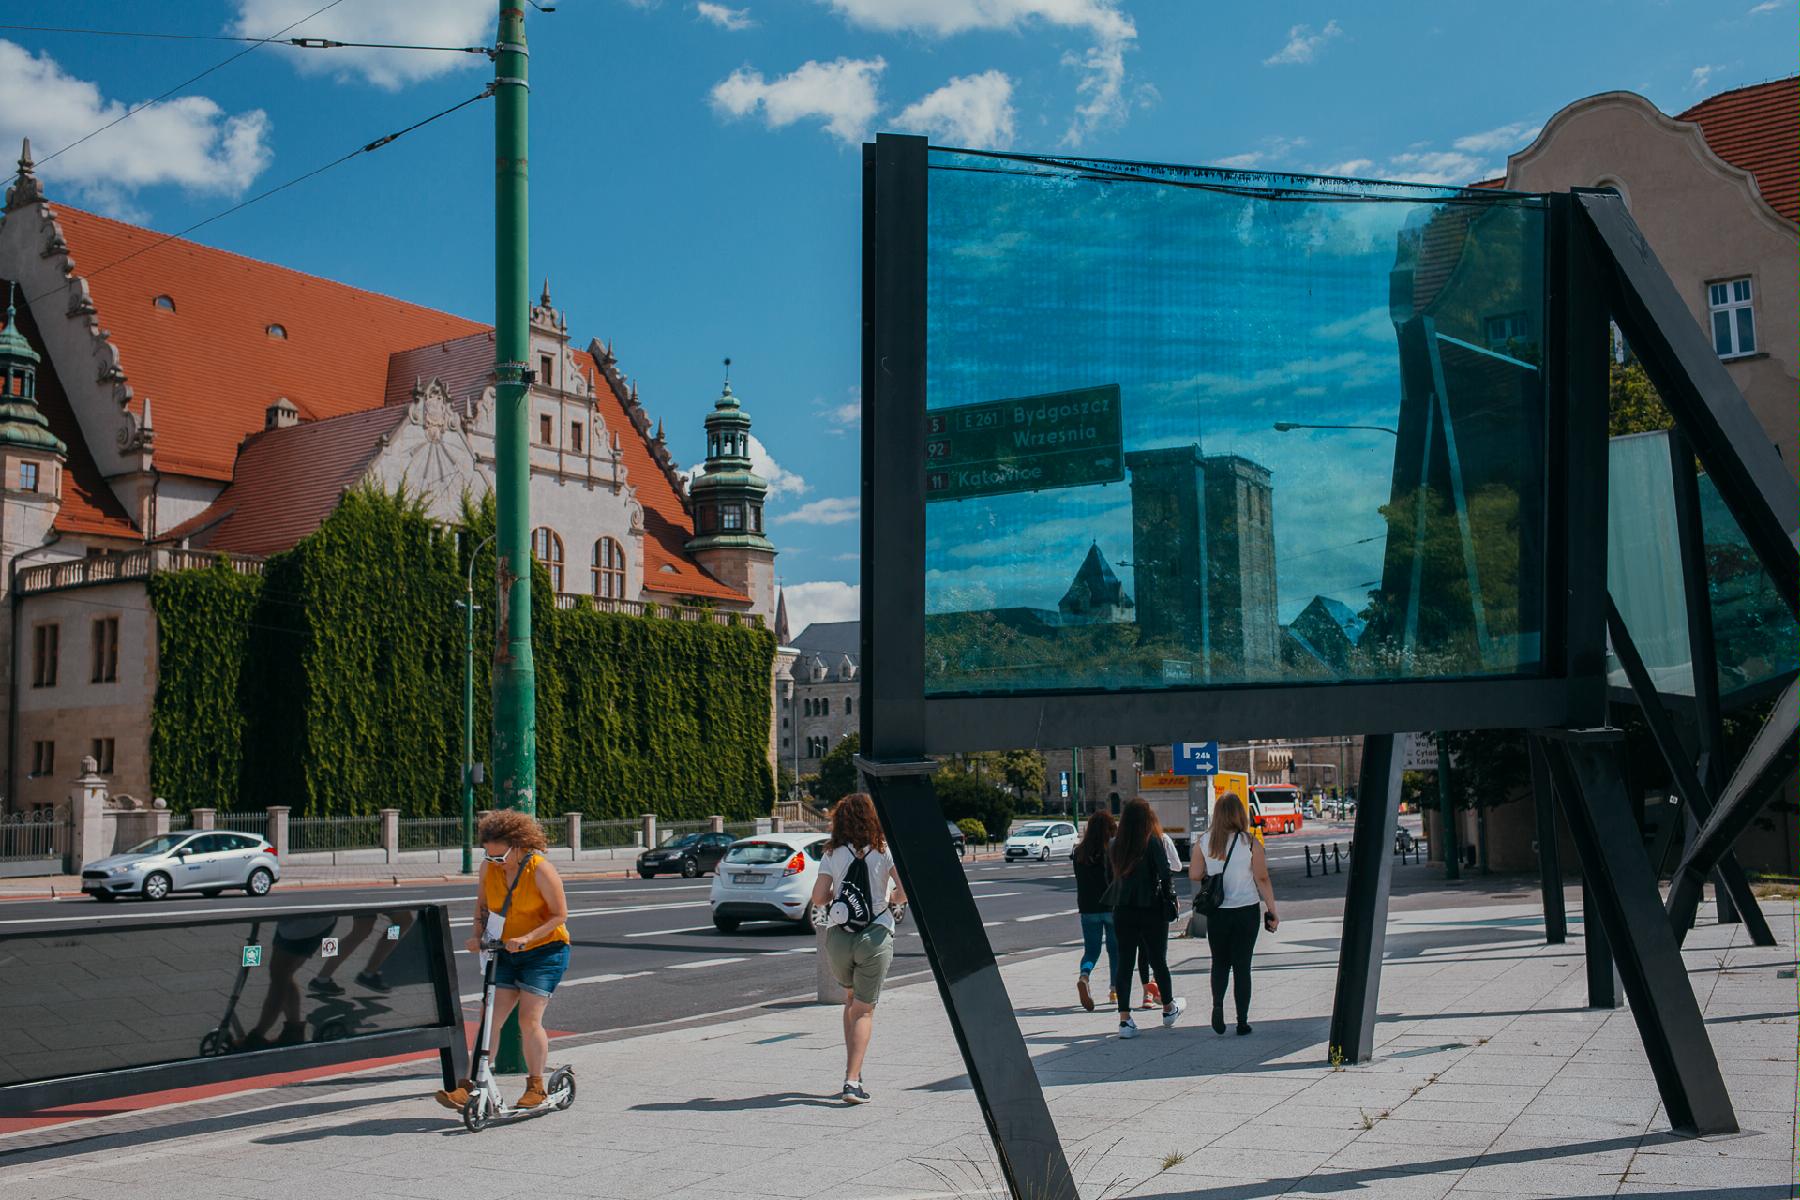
x=131, y=112
x=304, y=43
x=377, y=144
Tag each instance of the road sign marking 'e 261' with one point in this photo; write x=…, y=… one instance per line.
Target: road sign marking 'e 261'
x=1057, y=440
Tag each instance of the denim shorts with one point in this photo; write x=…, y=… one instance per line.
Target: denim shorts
x=536, y=971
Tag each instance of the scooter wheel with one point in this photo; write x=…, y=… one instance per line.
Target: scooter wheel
x=214, y=1044
x=563, y=1077
x=475, y=1114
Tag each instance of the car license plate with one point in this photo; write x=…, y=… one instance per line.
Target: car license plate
x=748, y=880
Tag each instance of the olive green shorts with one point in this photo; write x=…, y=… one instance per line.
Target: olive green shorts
x=860, y=961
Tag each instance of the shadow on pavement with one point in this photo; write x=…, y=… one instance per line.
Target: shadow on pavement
x=745, y=1103
x=448, y=1123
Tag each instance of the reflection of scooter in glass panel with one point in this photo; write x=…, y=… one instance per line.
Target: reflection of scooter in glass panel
x=485, y=1104
x=230, y=1031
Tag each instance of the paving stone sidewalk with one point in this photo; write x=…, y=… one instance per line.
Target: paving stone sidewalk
x=1491, y=1079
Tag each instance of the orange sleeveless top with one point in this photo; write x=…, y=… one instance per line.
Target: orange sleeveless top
x=529, y=909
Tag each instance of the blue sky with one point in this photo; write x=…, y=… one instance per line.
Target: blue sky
x=694, y=167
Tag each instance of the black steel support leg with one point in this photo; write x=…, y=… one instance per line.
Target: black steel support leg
x=1353, y=1009
x=1602, y=979
x=968, y=979
x=1556, y=917
x=1585, y=769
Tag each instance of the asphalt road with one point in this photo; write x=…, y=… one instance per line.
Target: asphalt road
x=645, y=951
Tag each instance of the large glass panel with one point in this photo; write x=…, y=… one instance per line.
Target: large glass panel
x=78, y=1001
x=1643, y=562
x=1754, y=634
x=1193, y=427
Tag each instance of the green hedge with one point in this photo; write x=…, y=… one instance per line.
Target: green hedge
x=334, y=685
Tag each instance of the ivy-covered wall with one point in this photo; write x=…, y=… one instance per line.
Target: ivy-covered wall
x=334, y=684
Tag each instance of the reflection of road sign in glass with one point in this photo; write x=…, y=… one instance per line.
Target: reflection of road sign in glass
x=253, y=956
x=393, y=933
x=328, y=948
x=1420, y=753
x=1196, y=758
x=1062, y=439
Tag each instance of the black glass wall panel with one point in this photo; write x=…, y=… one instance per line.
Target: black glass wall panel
x=1193, y=427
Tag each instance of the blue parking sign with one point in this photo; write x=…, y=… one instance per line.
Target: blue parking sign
x=1196, y=758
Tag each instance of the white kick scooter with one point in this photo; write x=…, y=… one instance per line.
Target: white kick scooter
x=485, y=1105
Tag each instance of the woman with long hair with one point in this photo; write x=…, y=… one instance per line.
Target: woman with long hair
x=521, y=893
x=858, y=898
x=1230, y=851
x=1143, y=862
x=1092, y=874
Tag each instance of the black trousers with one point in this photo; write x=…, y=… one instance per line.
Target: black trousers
x=1231, y=933
x=1142, y=933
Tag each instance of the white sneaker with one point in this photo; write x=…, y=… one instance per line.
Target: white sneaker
x=1173, y=1013
x=1128, y=1028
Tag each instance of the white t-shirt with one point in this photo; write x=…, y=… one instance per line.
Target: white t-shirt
x=1240, y=884
x=836, y=864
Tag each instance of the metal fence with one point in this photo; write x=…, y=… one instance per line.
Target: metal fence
x=668, y=831
x=243, y=822
x=26, y=836
x=333, y=833
x=430, y=833
x=609, y=835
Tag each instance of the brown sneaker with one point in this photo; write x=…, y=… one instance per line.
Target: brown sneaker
x=534, y=1092
x=455, y=1100
x=1087, y=997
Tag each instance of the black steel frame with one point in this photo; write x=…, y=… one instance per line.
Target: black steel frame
x=445, y=1036
x=1550, y=879
x=1598, y=267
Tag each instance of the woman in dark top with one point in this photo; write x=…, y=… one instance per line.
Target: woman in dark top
x=1092, y=873
x=1140, y=857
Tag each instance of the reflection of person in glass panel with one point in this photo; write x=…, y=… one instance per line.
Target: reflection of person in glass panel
x=369, y=977
x=296, y=940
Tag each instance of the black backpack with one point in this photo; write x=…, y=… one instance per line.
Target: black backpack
x=854, y=894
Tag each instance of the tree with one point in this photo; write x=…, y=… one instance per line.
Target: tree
x=837, y=771
x=1633, y=405
x=964, y=796
x=784, y=782
x=1023, y=771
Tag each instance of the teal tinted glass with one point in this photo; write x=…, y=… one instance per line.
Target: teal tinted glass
x=1192, y=427
x=1754, y=634
x=1643, y=562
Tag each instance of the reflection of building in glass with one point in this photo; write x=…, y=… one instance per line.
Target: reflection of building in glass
x=1096, y=596
x=1203, y=556
x=1323, y=635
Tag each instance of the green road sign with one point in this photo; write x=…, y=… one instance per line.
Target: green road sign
x=1063, y=439
x=253, y=956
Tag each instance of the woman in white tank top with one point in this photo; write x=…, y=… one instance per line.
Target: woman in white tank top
x=1233, y=853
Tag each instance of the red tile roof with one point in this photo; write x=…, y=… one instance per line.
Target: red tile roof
x=288, y=481
x=210, y=367
x=667, y=525
x=88, y=505
x=1757, y=129
x=464, y=365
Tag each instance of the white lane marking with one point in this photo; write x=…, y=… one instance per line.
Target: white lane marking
x=569, y=983
x=176, y=914
x=649, y=891
x=704, y=962
x=994, y=895
x=634, y=908
x=991, y=924
x=1046, y=916
x=685, y=929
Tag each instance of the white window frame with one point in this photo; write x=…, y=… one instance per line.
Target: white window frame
x=1728, y=298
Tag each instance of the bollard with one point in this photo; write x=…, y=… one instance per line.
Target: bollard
x=1307, y=851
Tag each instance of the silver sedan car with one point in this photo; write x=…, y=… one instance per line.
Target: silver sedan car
x=205, y=861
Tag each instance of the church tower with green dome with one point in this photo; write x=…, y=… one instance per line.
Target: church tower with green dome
x=727, y=499
x=31, y=457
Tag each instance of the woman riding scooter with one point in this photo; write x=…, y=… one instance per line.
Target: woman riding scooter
x=519, y=882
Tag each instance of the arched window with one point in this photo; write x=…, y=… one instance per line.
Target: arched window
x=547, y=548
x=609, y=569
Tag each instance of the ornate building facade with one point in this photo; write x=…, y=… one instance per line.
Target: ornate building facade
x=167, y=405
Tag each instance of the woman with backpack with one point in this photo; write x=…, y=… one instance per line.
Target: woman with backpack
x=1093, y=872
x=1231, y=855
x=1143, y=902
x=857, y=899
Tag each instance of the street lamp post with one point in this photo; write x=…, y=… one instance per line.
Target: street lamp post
x=468, y=605
x=1290, y=426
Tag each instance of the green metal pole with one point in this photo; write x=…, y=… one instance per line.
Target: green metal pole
x=514, y=746
x=1447, y=811
x=468, y=788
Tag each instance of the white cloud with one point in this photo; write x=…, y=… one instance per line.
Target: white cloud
x=1350, y=166
x=972, y=111
x=1767, y=6
x=1303, y=45
x=1506, y=137
x=841, y=93
x=1441, y=166
x=733, y=19
x=841, y=418
x=781, y=481
x=822, y=600
x=1700, y=76
x=1374, y=324
x=417, y=22
x=1274, y=150
x=832, y=510
x=188, y=141
x=1102, y=65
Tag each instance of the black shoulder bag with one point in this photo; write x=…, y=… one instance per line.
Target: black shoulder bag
x=1210, y=894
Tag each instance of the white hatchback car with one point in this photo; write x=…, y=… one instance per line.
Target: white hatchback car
x=768, y=877
x=1042, y=840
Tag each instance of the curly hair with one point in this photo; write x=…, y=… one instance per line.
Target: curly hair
x=514, y=828
x=854, y=824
